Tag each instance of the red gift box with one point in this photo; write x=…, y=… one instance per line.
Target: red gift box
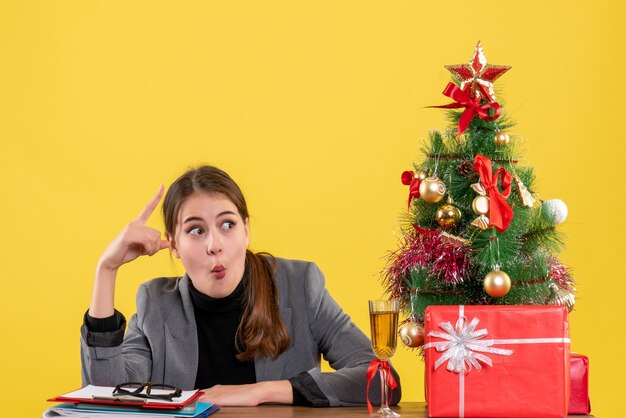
x=497, y=361
x=579, y=385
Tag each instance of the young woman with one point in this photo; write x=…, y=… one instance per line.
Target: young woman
x=245, y=328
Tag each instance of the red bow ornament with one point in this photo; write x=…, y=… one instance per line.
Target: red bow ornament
x=371, y=372
x=413, y=181
x=500, y=212
x=472, y=107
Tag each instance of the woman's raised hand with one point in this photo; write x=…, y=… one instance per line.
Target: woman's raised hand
x=136, y=239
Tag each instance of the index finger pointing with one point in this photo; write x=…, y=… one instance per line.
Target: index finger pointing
x=151, y=206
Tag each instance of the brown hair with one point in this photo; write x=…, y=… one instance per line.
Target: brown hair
x=261, y=328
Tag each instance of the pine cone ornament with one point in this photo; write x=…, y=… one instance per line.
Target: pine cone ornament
x=466, y=168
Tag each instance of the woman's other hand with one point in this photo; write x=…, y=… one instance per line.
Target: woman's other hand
x=278, y=391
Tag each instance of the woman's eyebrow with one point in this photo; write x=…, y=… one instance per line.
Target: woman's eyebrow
x=199, y=218
x=193, y=218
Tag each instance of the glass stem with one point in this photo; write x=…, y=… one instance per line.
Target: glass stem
x=384, y=396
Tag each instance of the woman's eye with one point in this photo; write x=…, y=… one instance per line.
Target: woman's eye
x=228, y=225
x=196, y=230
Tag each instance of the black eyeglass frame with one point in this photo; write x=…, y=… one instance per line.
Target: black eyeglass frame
x=140, y=387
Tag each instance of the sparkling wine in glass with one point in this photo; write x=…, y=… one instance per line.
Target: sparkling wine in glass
x=384, y=326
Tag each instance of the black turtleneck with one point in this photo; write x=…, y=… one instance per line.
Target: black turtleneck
x=217, y=321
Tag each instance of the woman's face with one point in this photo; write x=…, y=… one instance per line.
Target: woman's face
x=211, y=240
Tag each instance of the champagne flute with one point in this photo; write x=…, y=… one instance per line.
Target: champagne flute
x=384, y=326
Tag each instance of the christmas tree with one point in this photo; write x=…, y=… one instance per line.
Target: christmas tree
x=476, y=232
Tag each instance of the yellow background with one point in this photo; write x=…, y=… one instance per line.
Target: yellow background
x=315, y=108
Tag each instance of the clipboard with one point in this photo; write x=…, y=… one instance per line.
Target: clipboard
x=103, y=395
x=202, y=410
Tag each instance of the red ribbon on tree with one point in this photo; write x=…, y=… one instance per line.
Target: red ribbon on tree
x=423, y=231
x=371, y=372
x=472, y=107
x=409, y=179
x=500, y=213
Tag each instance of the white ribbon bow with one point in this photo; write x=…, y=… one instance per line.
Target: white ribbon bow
x=463, y=346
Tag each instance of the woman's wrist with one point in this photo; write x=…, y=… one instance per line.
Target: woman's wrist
x=275, y=391
x=105, y=266
x=102, y=300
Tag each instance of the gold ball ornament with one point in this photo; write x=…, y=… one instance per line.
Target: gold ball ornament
x=497, y=283
x=448, y=215
x=421, y=175
x=432, y=189
x=480, y=205
x=502, y=138
x=412, y=334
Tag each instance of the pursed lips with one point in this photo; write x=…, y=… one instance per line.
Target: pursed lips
x=219, y=271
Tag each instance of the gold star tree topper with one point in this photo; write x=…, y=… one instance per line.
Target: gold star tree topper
x=477, y=76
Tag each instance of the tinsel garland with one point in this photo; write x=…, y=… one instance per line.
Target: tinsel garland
x=444, y=156
x=422, y=248
x=561, y=275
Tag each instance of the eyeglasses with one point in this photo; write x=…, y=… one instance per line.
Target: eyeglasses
x=166, y=392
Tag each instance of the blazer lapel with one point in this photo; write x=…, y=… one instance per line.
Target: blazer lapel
x=181, y=342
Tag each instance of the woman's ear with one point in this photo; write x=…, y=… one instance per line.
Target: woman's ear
x=173, y=248
x=247, y=227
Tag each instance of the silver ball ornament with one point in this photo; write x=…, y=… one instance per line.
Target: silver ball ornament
x=555, y=210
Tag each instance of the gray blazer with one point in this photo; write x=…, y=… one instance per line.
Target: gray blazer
x=161, y=343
